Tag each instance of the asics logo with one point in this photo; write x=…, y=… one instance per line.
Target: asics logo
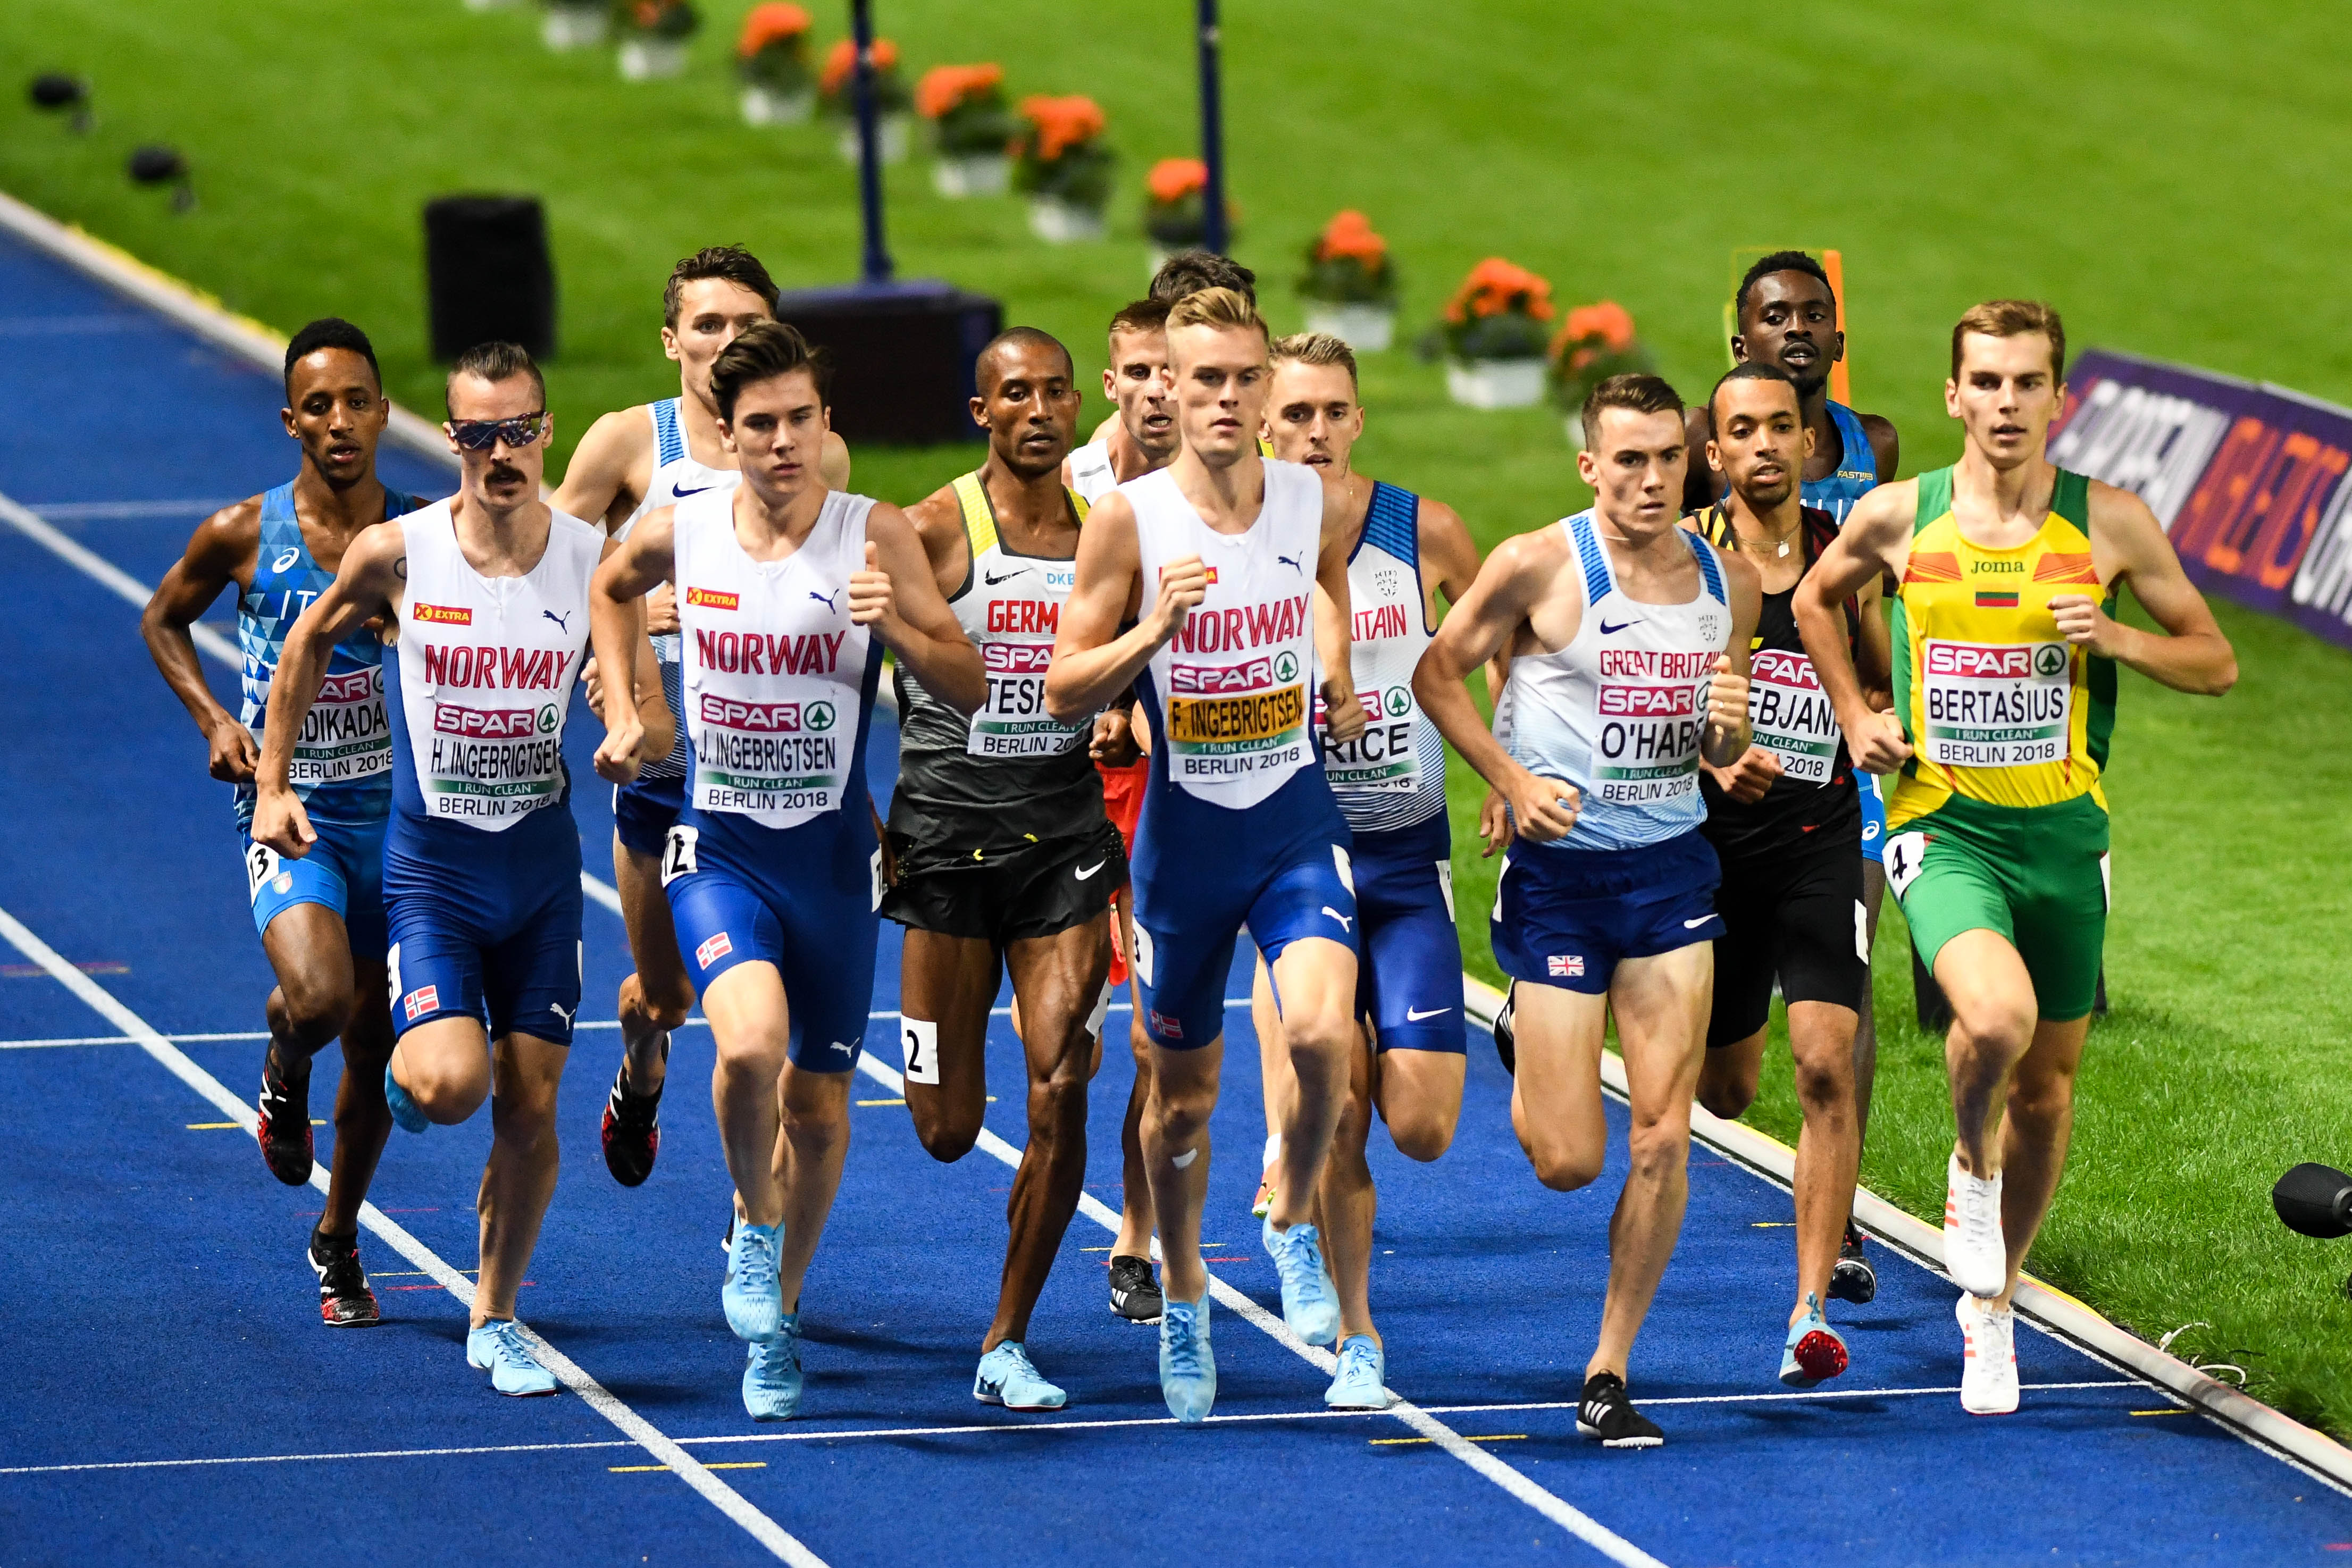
x=1609, y=630
x=563, y=619
x=1414, y=1015
x=992, y=579
x=1091, y=869
x=1345, y=923
x=286, y=562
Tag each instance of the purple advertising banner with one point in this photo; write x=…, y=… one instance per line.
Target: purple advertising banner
x=2248, y=480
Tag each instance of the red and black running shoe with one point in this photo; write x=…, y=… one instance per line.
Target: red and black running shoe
x=285, y=1129
x=632, y=1130
x=345, y=1300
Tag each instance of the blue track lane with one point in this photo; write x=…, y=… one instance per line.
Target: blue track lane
x=158, y=1307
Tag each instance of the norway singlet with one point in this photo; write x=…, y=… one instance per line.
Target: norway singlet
x=1620, y=711
x=774, y=858
x=342, y=768
x=1856, y=474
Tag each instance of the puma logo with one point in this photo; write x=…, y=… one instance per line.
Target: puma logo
x=825, y=599
x=1346, y=924
x=560, y=1011
x=1292, y=562
x=563, y=619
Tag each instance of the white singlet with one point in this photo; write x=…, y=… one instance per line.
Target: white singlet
x=1232, y=683
x=775, y=668
x=1620, y=711
x=1091, y=475
x=677, y=475
x=1393, y=775
x=487, y=666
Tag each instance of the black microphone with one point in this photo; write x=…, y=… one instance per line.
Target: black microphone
x=2316, y=1200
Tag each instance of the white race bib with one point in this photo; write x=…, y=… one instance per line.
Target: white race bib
x=1792, y=715
x=1996, y=705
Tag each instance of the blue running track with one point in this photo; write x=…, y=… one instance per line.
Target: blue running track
x=172, y=1395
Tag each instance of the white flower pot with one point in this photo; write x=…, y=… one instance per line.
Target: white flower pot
x=489, y=4
x=1057, y=222
x=644, y=59
x=565, y=28
x=965, y=176
x=766, y=106
x=1366, y=327
x=1495, y=384
x=890, y=138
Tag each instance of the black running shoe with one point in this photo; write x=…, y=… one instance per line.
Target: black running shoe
x=1507, y=1044
x=285, y=1128
x=1607, y=1413
x=1853, y=1279
x=1134, y=1293
x=345, y=1300
x=632, y=1130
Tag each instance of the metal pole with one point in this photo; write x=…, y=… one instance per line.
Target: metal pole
x=877, y=266
x=1212, y=135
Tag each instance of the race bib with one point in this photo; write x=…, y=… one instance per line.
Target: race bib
x=1383, y=760
x=494, y=762
x=919, y=1040
x=1996, y=705
x=1226, y=721
x=1013, y=721
x=345, y=736
x=754, y=757
x=260, y=865
x=1652, y=715
x=1906, y=854
x=1791, y=716
x=677, y=854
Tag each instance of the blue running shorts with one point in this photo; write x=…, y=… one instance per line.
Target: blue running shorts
x=804, y=899
x=1568, y=917
x=643, y=813
x=343, y=870
x=485, y=926
x=1185, y=929
x=1409, y=968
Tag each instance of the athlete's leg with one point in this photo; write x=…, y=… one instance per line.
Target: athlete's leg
x=1728, y=1076
x=1865, y=1033
x=519, y=1178
x=1661, y=1003
x=1993, y=1019
x=1348, y=1204
x=1136, y=1221
x=947, y=984
x=443, y=1066
x=1276, y=1085
x=315, y=1000
x=1556, y=1105
x=1061, y=977
x=2035, y=1130
x=362, y=1119
x=1176, y=1159
x=1829, y=1146
x=750, y=1032
x=1315, y=981
x=814, y=1142
x=657, y=997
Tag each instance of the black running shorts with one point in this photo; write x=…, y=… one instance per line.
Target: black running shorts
x=1795, y=914
x=1041, y=891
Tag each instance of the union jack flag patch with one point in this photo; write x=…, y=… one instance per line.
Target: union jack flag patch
x=1569, y=967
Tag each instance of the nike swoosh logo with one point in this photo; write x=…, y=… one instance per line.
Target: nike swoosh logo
x=1609, y=630
x=1414, y=1015
x=1695, y=925
x=1008, y=577
x=682, y=494
x=1092, y=868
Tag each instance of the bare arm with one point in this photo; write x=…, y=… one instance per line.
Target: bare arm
x=1728, y=728
x=1885, y=445
x=616, y=593
x=1874, y=544
x=1093, y=662
x=609, y=470
x=937, y=520
x=371, y=582
x=223, y=551
x=899, y=599
x=1334, y=637
x=2128, y=544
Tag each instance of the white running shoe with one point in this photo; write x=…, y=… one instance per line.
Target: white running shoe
x=1975, y=1254
x=1989, y=1357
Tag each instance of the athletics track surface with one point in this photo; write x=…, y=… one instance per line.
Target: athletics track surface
x=172, y=1394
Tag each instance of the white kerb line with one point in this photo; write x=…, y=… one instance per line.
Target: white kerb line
x=685, y=1466
x=1581, y=1525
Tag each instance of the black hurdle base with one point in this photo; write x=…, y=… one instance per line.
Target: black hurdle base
x=902, y=356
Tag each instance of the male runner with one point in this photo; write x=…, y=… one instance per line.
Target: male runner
x=1186, y=272
x=787, y=594
x=1628, y=640
x=1004, y=857
x=2005, y=655
x=1239, y=824
x=1788, y=319
x=321, y=917
x=1407, y=1059
x=1786, y=823
x=629, y=462
x=481, y=862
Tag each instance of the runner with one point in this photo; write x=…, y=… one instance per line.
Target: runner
x=1003, y=855
x=481, y=860
x=1788, y=319
x=320, y=917
x=2005, y=657
x=1239, y=825
x=1628, y=638
x=629, y=462
x=1786, y=823
x=1407, y=1059
x=1186, y=272
x=1140, y=439
x=790, y=592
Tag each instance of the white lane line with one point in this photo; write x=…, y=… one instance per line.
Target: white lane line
x=1007, y=1427
x=1574, y=1520
x=113, y=578
x=721, y=1496
x=100, y=511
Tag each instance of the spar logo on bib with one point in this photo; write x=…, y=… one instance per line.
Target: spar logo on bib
x=767, y=718
x=1996, y=704
x=492, y=724
x=1997, y=661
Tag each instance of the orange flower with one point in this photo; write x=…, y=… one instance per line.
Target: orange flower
x=1350, y=233
x=1608, y=322
x=1061, y=123
x=841, y=62
x=945, y=88
x=1173, y=179
x=776, y=22
x=648, y=13
x=1495, y=286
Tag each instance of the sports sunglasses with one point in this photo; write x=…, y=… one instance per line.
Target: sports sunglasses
x=482, y=435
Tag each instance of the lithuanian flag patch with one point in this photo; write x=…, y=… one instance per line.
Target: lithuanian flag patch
x=1992, y=600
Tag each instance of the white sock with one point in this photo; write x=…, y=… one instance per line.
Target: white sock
x=1273, y=1150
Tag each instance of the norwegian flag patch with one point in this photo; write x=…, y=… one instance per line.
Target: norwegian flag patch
x=712, y=949
x=420, y=1001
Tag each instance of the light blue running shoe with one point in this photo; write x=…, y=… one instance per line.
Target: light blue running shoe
x=406, y=1111
x=753, y=1300
x=1310, y=1303
x=1188, y=1366
x=1362, y=1382
x=772, y=1381
x=1813, y=1353
x=499, y=1348
x=1008, y=1377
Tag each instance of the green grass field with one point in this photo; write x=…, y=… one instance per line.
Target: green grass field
x=2098, y=156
